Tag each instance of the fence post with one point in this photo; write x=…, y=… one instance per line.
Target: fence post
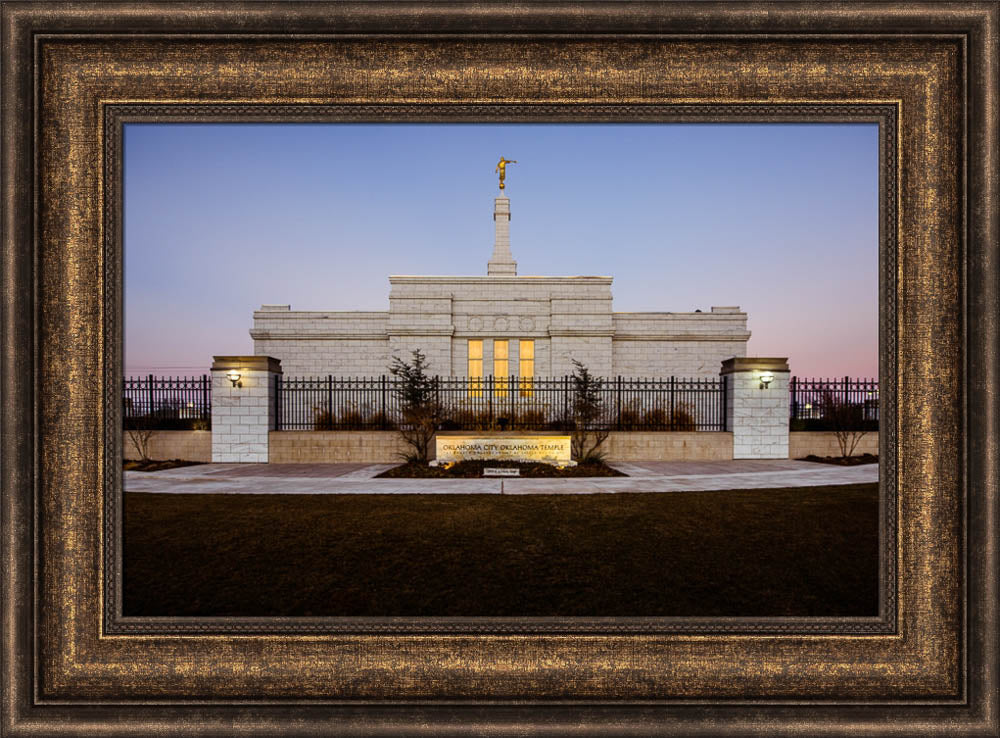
x=725, y=408
x=618, y=403
x=385, y=419
x=847, y=392
x=206, y=403
x=671, y=419
x=566, y=418
x=277, y=402
x=243, y=415
x=489, y=400
x=149, y=395
x=329, y=398
x=760, y=414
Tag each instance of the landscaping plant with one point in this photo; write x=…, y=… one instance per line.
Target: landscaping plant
x=140, y=432
x=589, y=429
x=845, y=419
x=419, y=404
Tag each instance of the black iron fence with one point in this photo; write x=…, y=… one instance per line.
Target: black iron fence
x=832, y=404
x=502, y=403
x=168, y=403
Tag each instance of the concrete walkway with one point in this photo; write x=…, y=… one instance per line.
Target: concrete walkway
x=648, y=476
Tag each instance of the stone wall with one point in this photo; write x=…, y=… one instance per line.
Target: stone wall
x=327, y=447
x=684, y=345
x=384, y=447
x=684, y=359
x=822, y=443
x=164, y=445
x=669, y=446
x=309, y=343
x=592, y=351
x=436, y=350
x=567, y=317
x=341, y=358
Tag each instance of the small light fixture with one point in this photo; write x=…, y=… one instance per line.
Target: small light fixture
x=765, y=379
x=234, y=376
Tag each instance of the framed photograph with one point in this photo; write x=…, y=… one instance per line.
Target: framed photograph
x=78, y=80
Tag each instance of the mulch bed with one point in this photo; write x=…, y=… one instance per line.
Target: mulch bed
x=841, y=461
x=152, y=465
x=474, y=470
x=810, y=551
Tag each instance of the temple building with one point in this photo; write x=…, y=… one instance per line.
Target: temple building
x=503, y=324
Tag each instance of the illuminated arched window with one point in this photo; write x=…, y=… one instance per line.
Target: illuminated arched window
x=526, y=366
x=476, y=368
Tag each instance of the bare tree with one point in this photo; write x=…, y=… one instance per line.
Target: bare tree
x=589, y=430
x=140, y=431
x=420, y=405
x=846, y=420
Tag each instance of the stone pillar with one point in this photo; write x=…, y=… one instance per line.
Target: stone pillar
x=243, y=415
x=502, y=262
x=757, y=416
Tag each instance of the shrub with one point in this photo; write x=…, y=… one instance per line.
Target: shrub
x=589, y=430
x=141, y=434
x=530, y=419
x=682, y=419
x=465, y=418
x=157, y=422
x=417, y=393
x=846, y=420
x=630, y=416
x=352, y=419
x=380, y=420
x=322, y=420
x=562, y=424
x=656, y=419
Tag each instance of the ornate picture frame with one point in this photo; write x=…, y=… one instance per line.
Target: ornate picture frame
x=74, y=73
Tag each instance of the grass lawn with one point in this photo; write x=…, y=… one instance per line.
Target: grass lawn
x=805, y=552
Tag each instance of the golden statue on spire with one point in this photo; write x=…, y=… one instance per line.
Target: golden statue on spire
x=502, y=168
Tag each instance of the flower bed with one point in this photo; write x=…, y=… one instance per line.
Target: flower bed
x=474, y=469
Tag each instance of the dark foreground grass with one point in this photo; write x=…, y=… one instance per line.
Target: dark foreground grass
x=790, y=552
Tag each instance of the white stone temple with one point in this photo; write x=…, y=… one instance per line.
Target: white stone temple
x=501, y=324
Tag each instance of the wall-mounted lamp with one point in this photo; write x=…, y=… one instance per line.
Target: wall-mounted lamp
x=234, y=376
x=765, y=379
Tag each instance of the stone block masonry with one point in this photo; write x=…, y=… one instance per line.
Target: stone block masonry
x=824, y=443
x=242, y=415
x=170, y=444
x=757, y=415
x=387, y=447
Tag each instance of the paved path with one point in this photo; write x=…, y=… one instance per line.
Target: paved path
x=646, y=476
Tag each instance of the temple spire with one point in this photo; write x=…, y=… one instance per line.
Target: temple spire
x=502, y=262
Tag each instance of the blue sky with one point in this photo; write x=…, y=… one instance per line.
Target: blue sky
x=781, y=220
